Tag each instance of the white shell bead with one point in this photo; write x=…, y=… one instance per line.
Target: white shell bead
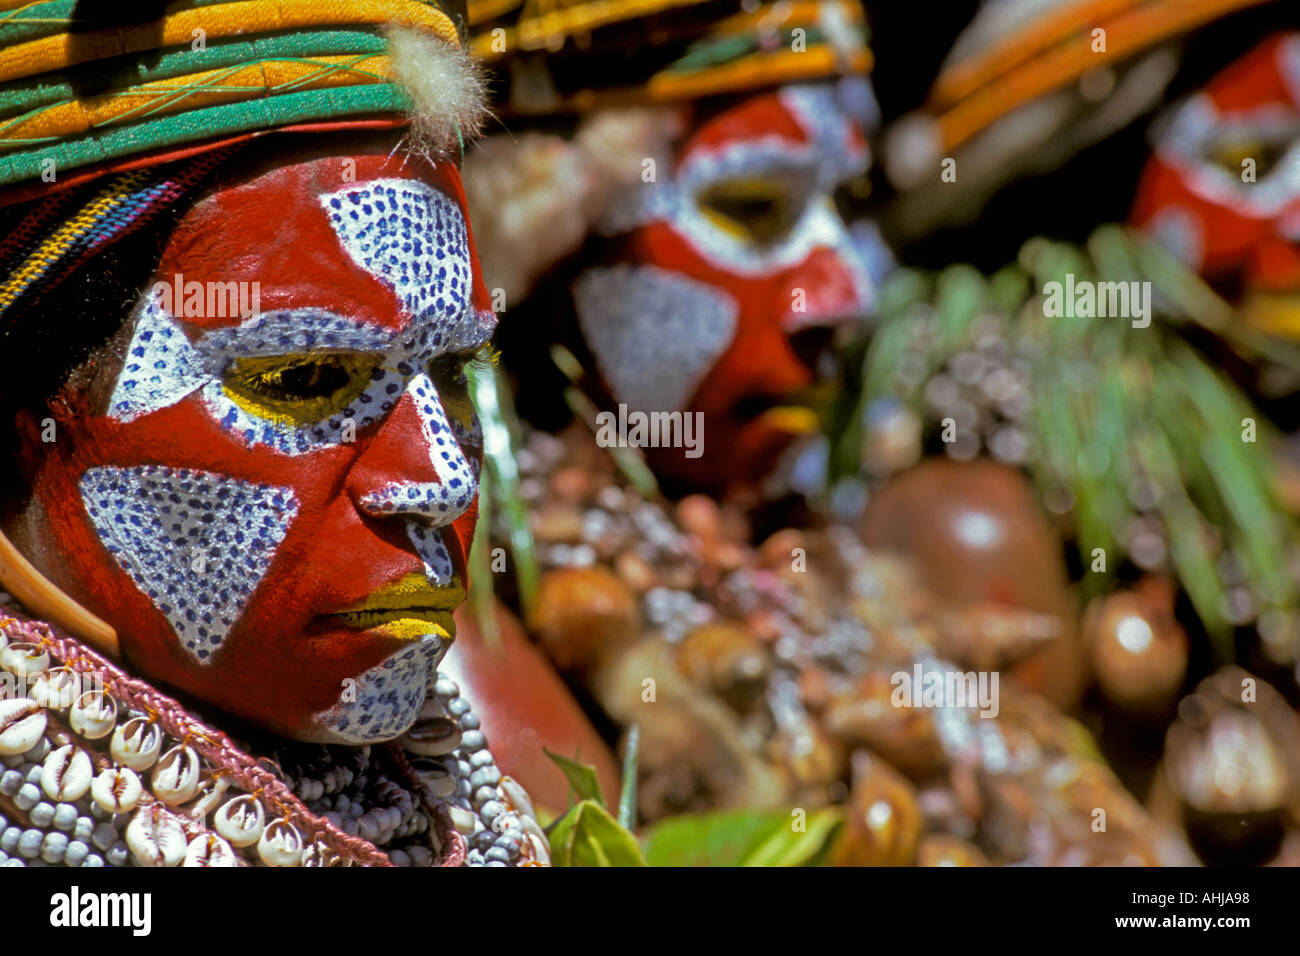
x=22, y=723
x=155, y=837
x=93, y=714
x=280, y=845
x=241, y=820
x=462, y=820
x=57, y=689
x=66, y=774
x=211, y=792
x=432, y=738
x=209, y=850
x=176, y=777
x=136, y=743
x=24, y=660
x=116, y=790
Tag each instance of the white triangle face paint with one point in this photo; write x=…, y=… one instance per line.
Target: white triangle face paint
x=196, y=543
x=387, y=698
x=161, y=366
x=623, y=310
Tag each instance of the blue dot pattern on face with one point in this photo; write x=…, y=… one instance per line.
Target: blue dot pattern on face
x=387, y=698
x=161, y=366
x=625, y=310
x=196, y=543
x=438, y=503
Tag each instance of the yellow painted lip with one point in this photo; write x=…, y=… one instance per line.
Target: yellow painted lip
x=411, y=593
x=796, y=419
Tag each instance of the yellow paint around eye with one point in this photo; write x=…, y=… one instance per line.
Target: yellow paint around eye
x=736, y=193
x=249, y=383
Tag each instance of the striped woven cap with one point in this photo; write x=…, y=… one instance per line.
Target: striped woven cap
x=86, y=89
x=573, y=55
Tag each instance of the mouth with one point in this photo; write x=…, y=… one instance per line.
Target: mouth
x=409, y=607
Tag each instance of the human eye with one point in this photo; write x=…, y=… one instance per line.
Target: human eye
x=758, y=209
x=450, y=374
x=298, y=389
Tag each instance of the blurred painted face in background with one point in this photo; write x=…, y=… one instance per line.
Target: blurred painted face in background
x=727, y=261
x=273, y=502
x=1223, y=188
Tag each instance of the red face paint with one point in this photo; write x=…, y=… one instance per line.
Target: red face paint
x=241, y=481
x=1222, y=189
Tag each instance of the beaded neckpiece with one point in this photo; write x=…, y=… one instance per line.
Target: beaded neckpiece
x=102, y=769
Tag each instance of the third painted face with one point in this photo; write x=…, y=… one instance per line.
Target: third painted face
x=725, y=263
x=1223, y=188
x=272, y=496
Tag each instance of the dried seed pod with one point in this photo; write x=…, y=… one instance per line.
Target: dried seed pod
x=882, y=823
x=176, y=777
x=865, y=716
x=57, y=688
x=22, y=724
x=155, y=837
x=24, y=660
x=136, y=743
x=207, y=849
x=432, y=737
x=241, y=820
x=940, y=849
x=93, y=714
x=581, y=615
x=280, y=844
x=116, y=790
x=66, y=774
x=1138, y=651
x=727, y=659
x=1231, y=757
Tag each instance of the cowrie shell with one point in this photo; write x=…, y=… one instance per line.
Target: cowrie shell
x=57, y=688
x=176, y=777
x=22, y=723
x=155, y=837
x=136, y=743
x=241, y=820
x=116, y=789
x=462, y=820
x=435, y=777
x=24, y=660
x=212, y=790
x=432, y=737
x=209, y=850
x=66, y=774
x=93, y=714
x=518, y=797
x=280, y=844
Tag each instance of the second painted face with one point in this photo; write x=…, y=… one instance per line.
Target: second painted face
x=272, y=495
x=723, y=266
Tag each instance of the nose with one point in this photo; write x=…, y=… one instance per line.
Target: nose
x=834, y=281
x=415, y=468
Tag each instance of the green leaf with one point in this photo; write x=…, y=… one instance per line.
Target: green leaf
x=588, y=836
x=581, y=777
x=739, y=838
x=788, y=847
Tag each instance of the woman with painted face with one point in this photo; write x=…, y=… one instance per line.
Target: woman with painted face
x=241, y=459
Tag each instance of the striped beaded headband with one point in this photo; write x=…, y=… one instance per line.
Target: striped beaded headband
x=594, y=53
x=82, y=95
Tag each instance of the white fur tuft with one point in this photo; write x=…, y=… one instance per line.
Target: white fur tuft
x=446, y=85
